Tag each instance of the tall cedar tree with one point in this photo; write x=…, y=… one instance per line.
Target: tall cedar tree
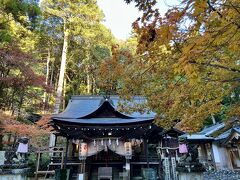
x=75, y=16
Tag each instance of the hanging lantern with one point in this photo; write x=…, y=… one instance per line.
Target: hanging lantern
x=117, y=143
x=128, y=150
x=83, y=149
x=105, y=148
x=133, y=142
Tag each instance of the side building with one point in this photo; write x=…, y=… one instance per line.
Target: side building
x=218, y=145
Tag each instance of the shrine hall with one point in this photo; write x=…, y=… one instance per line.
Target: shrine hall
x=108, y=139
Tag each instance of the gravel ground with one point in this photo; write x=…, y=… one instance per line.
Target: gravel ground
x=222, y=175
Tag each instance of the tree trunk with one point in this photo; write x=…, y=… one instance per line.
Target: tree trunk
x=94, y=87
x=11, y=108
x=88, y=80
x=213, y=119
x=64, y=93
x=88, y=70
x=45, y=101
x=20, y=104
x=61, y=79
x=50, y=95
x=52, y=71
x=1, y=142
x=62, y=71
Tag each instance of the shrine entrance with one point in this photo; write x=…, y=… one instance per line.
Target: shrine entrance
x=105, y=162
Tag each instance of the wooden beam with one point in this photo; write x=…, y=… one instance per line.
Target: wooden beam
x=45, y=172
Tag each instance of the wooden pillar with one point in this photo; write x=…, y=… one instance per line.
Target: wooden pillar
x=203, y=153
x=66, y=153
x=238, y=149
x=62, y=159
x=70, y=148
x=37, y=165
x=128, y=169
x=83, y=166
x=73, y=149
x=146, y=150
x=230, y=160
x=55, y=143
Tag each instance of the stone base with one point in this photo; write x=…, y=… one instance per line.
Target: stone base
x=2, y=157
x=13, y=177
x=190, y=176
x=82, y=176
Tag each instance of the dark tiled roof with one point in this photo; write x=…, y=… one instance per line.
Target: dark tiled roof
x=80, y=106
x=84, y=109
x=196, y=137
x=237, y=129
x=205, y=134
x=211, y=129
x=224, y=135
x=209, y=133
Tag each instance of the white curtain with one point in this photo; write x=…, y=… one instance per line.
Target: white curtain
x=99, y=145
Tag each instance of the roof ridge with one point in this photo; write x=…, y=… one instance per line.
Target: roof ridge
x=102, y=96
x=89, y=97
x=211, y=125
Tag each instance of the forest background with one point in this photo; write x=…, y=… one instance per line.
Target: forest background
x=186, y=62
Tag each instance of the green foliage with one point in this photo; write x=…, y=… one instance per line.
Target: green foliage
x=44, y=162
x=18, y=18
x=19, y=9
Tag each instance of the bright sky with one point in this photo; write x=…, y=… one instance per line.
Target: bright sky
x=119, y=16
